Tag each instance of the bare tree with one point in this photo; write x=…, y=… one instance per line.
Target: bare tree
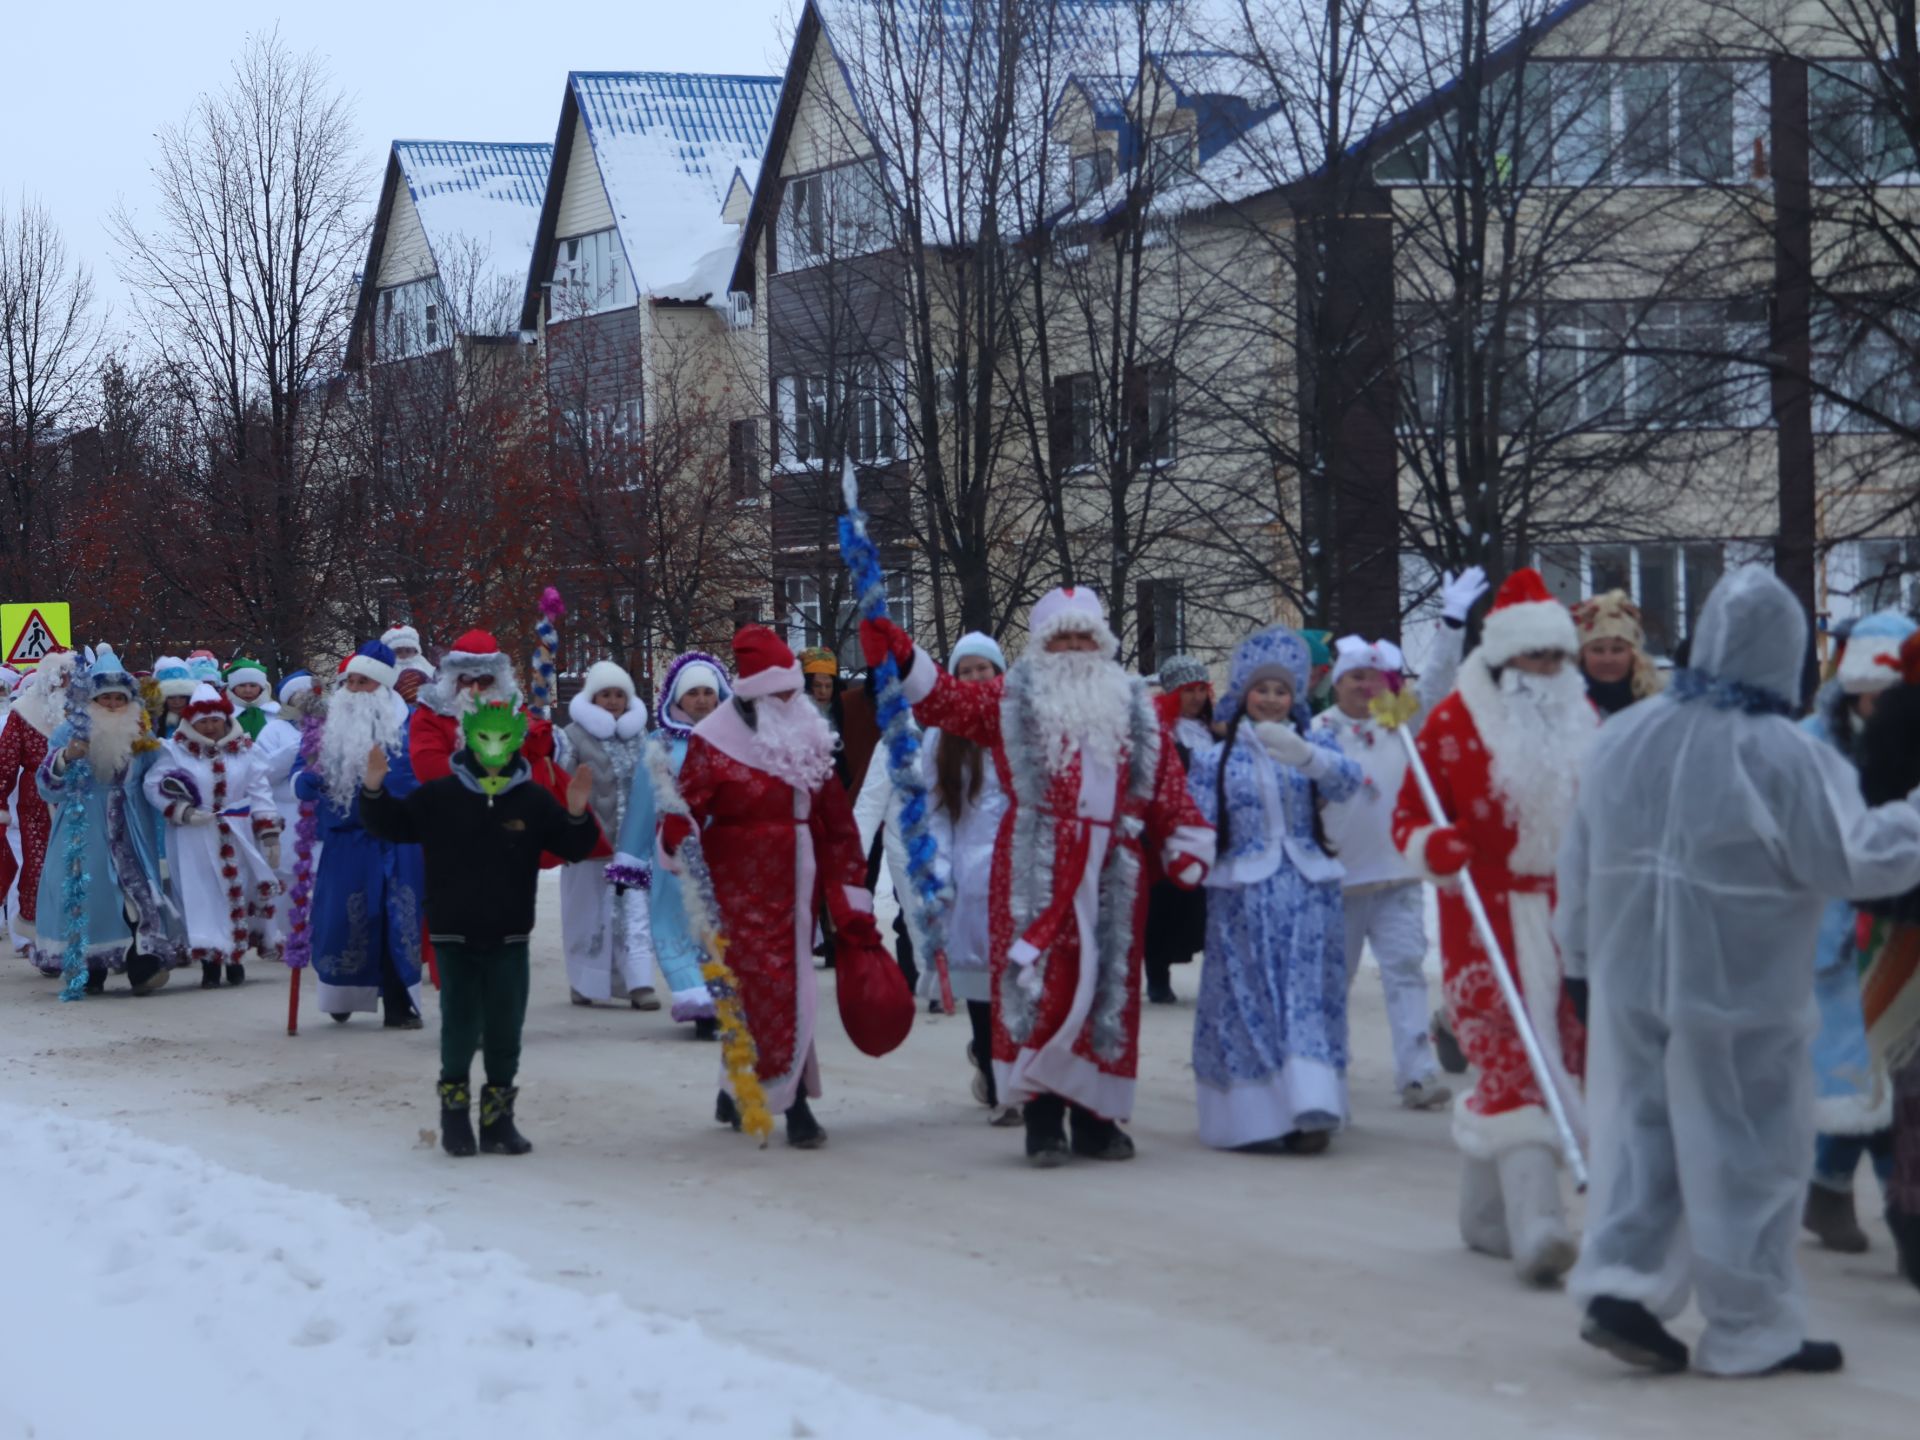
x=243, y=283
x=50, y=348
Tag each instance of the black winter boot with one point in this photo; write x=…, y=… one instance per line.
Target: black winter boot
x=96, y=979
x=707, y=1029
x=1446, y=1047
x=803, y=1131
x=1814, y=1357
x=1830, y=1215
x=456, y=1119
x=497, y=1133
x=725, y=1112
x=1099, y=1139
x=209, y=974
x=236, y=974
x=1046, y=1120
x=1628, y=1331
x=145, y=974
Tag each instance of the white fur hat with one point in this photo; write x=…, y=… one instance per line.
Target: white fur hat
x=399, y=635
x=1071, y=610
x=375, y=661
x=1525, y=618
x=605, y=675
x=1351, y=653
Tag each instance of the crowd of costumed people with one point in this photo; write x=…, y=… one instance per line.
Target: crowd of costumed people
x=1678, y=911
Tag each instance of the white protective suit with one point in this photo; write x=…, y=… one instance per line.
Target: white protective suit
x=1706, y=842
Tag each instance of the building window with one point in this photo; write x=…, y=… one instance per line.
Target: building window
x=1161, y=613
x=1864, y=361
x=1169, y=157
x=806, y=614
x=743, y=459
x=590, y=275
x=839, y=212
x=802, y=402
x=1072, y=422
x=1150, y=415
x=1886, y=578
x=875, y=408
x=1092, y=173
x=804, y=231
x=1856, y=132
x=745, y=611
x=408, y=317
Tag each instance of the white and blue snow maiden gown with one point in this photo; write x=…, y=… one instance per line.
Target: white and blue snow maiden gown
x=1270, y=1038
x=674, y=949
x=369, y=897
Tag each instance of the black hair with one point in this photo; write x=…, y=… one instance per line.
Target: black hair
x=1224, y=826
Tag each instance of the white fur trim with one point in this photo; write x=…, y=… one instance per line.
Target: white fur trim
x=1023, y=953
x=1861, y=671
x=859, y=899
x=921, y=679
x=246, y=676
x=378, y=671
x=1193, y=841
x=401, y=635
x=1855, y=1114
x=769, y=682
x=1512, y=630
x=605, y=675
x=1416, y=856
x=1488, y=1137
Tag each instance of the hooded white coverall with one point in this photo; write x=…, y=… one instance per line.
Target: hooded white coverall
x=1706, y=842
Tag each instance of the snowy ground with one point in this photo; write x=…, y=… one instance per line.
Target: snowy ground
x=310, y=1265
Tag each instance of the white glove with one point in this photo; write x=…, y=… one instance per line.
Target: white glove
x=194, y=815
x=1460, y=593
x=271, y=847
x=1284, y=743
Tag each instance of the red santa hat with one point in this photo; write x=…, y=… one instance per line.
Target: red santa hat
x=206, y=700
x=764, y=663
x=1071, y=610
x=1526, y=617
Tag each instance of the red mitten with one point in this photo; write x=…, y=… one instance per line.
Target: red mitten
x=538, y=745
x=881, y=638
x=858, y=929
x=1448, y=852
x=674, y=832
x=1187, y=871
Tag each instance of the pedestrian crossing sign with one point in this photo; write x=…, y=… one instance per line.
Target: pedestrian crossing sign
x=32, y=632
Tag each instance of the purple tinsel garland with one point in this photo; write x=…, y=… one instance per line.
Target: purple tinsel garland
x=299, y=947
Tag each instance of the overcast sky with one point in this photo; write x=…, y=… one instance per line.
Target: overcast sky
x=89, y=83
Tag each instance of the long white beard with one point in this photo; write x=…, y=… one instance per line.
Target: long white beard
x=1083, y=703
x=795, y=741
x=110, y=737
x=356, y=722
x=1547, y=728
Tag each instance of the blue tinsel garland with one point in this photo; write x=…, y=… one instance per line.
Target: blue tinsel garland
x=1689, y=685
x=934, y=897
x=78, y=786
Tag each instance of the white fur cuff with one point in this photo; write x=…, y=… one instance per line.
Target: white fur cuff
x=1488, y=1137
x=918, y=682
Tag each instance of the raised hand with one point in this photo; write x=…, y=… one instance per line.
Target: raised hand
x=881, y=638
x=376, y=767
x=1460, y=593
x=76, y=750
x=580, y=790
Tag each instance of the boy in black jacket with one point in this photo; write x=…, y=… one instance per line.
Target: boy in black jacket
x=482, y=829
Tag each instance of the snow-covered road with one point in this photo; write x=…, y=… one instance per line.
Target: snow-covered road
x=915, y=1261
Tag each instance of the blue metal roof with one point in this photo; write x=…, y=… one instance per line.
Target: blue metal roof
x=510, y=172
x=712, y=117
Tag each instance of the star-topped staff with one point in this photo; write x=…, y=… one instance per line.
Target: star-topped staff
x=1394, y=710
x=932, y=894
x=546, y=634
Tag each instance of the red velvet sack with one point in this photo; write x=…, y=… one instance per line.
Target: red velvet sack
x=875, y=1004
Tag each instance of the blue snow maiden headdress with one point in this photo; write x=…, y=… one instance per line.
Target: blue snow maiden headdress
x=1275, y=653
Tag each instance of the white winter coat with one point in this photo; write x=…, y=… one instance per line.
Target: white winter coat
x=1706, y=842
x=966, y=848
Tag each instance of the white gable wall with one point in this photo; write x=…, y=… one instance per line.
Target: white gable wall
x=826, y=123
x=405, y=256
x=583, y=201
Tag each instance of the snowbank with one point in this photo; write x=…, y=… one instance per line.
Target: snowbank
x=151, y=1293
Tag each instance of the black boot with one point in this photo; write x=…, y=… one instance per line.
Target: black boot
x=803, y=1131
x=236, y=974
x=725, y=1112
x=209, y=974
x=1046, y=1120
x=1814, y=1357
x=1099, y=1139
x=1829, y=1214
x=1446, y=1048
x=1628, y=1331
x=706, y=1029
x=497, y=1133
x=96, y=980
x=144, y=973
x=456, y=1119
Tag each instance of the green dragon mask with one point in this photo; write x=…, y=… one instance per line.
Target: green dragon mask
x=494, y=731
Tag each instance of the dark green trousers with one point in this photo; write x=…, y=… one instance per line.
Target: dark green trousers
x=482, y=993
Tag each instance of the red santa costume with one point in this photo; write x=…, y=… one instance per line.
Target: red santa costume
x=1093, y=782
x=780, y=841
x=38, y=708
x=1504, y=753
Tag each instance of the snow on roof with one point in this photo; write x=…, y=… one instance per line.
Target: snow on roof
x=668, y=146
x=479, y=204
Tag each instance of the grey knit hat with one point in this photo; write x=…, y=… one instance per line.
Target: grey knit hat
x=1182, y=670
